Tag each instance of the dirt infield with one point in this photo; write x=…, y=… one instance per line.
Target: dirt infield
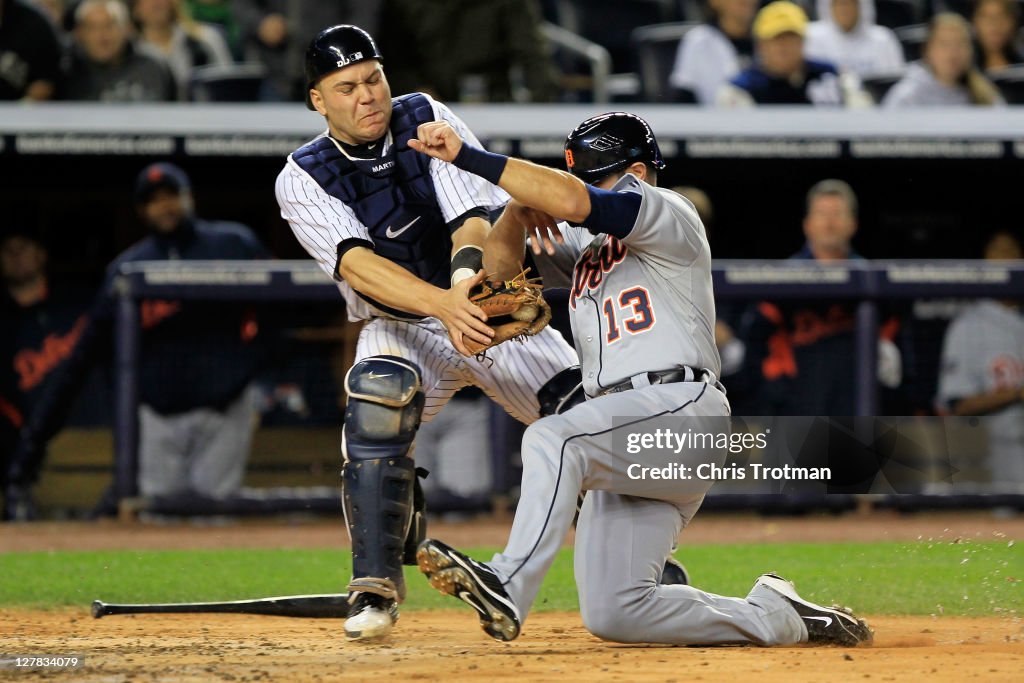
x=446, y=645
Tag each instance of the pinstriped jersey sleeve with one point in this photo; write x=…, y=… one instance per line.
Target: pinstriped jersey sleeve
x=459, y=191
x=320, y=222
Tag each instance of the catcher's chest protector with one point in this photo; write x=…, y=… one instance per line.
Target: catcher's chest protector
x=393, y=196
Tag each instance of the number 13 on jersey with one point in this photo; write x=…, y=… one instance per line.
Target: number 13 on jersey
x=637, y=313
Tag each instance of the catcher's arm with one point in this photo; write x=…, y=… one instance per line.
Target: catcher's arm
x=392, y=285
x=505, y=245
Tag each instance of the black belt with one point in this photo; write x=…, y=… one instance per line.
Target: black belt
x=683, y=374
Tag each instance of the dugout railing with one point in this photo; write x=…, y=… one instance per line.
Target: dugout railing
x=866, y=285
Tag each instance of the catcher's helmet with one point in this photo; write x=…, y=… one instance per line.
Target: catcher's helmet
x=608, y=143
x=335, y=48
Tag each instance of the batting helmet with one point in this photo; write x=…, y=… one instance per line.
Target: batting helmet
x=335, y=48
x=608, y=143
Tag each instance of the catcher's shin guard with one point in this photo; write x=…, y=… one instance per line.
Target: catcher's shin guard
x=381, y=419
x=378, y=510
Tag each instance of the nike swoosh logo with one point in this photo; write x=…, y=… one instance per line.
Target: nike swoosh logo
x=472, y=601
x=374, y=375
x=392, y=234
x=827, y=620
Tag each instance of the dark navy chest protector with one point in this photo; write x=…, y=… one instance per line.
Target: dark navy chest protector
x=393, y=196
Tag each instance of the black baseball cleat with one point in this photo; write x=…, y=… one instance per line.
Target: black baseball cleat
x=455, y=574
x=825, y=625
x=370, y=616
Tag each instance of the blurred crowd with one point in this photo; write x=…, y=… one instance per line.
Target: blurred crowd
x=727, y=53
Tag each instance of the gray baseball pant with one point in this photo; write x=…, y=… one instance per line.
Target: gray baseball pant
x=623, y=535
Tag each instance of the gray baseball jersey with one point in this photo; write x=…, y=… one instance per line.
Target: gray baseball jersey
x=984, y=351
x=651, y=288
x=640, y=303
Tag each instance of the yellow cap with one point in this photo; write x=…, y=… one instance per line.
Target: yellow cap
x=779, y=17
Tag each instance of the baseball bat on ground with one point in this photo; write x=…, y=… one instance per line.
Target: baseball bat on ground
x=331, y=605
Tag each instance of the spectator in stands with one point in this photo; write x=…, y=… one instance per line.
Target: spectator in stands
x=41, y=324
x=105, y=66
x=782, y=74
x=982, y=371
x=797, y=354
x=218, y=13
x=995, y=31
x=53, y=9
x=701, y=201
x=500, y=54
x=946, y=75
x=29, y=53
x=847, y=39
x=712, y=53
x=276, y=33
x=198, y=360
x=167, y=32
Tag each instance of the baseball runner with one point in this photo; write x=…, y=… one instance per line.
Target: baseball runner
x=402, y=235
x=643, y=318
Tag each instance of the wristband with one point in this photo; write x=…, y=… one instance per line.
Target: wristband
x=487, y=165
x=466, y=263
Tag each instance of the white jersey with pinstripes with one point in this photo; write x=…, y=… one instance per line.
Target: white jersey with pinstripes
x=511, y=375
x=322, y=222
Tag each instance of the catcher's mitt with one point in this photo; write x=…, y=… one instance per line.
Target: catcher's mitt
x=515, y=310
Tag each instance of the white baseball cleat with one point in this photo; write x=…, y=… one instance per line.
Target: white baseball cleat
x=370, y=616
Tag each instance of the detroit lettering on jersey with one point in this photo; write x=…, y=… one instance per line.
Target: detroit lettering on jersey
x=32, y=366
x=600, y=258
x=1007, y=372
x=155, y=311
x=640, y=301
